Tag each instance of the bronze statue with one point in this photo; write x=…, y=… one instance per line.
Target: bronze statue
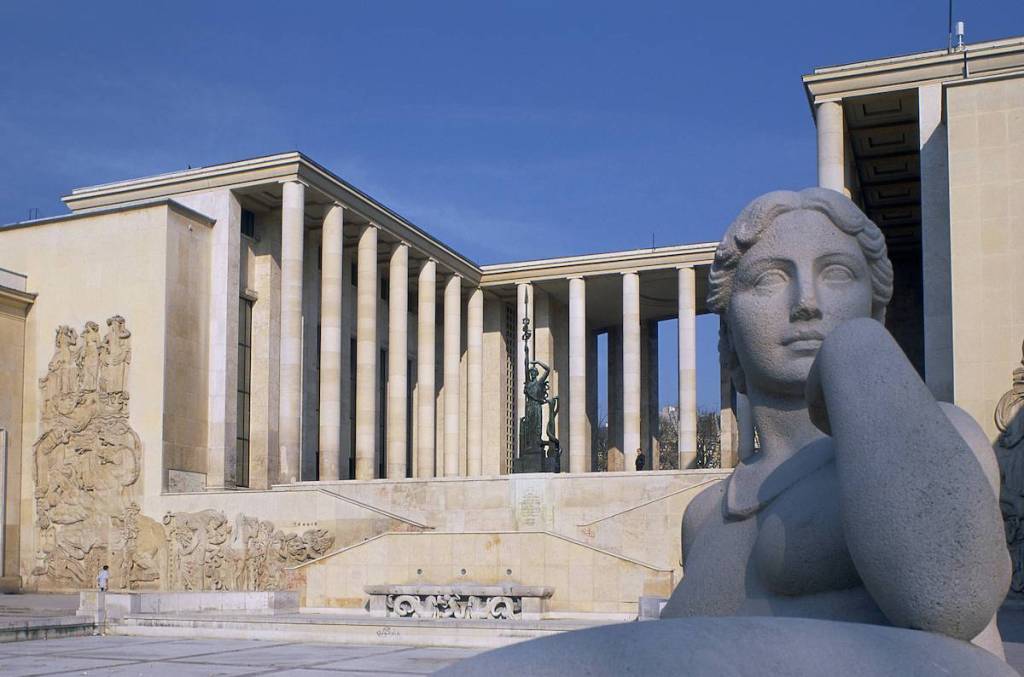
x=537, y=454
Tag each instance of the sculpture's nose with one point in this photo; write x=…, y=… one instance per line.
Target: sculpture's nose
x=805, y=306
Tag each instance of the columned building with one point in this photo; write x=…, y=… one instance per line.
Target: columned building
x=931, y=145
x=253, y=376
x=342, y=342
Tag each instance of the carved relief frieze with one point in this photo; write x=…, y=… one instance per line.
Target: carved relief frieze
x=207, y=552
x=86, y=468
x=454, y=606
x=86, y=465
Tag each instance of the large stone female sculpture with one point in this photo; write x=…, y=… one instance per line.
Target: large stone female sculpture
x=870, y=507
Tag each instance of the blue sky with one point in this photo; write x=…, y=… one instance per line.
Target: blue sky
x=575, y=126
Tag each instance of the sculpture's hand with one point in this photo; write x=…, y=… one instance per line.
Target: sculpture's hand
x=857, y=337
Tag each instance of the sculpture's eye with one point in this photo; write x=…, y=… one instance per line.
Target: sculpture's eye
x=770, y=279
x=837, y=273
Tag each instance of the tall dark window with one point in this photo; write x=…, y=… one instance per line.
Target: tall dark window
x=244, y=390
x=248, y=223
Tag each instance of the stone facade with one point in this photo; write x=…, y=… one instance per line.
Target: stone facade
x=252, y=419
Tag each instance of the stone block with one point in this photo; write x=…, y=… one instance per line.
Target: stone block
x=650, y=608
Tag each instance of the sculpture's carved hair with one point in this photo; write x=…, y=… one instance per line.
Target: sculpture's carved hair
x=751, y=224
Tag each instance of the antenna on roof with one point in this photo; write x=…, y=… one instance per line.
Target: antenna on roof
x=959, y=36
x=949, y=44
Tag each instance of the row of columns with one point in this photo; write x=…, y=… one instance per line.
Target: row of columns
x=429, y=455
x=624, y=373
x=427, y=459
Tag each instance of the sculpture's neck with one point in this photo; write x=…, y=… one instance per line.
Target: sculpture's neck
x=791, y=448
x=783, y=425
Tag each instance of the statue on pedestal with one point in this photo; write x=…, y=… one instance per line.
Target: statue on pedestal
x=537, y=453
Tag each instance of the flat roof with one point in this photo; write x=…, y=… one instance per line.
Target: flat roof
x=973, y=61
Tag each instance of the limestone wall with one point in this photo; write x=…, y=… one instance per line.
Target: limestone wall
x=12, y=348
x=985, y=122
x=585, y=579
x=186, y=384
x=97, y=345
x=600, y=540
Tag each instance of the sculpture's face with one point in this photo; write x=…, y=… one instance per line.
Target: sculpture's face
x=795, y=285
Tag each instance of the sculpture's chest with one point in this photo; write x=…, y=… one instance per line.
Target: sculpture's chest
x=799, y=548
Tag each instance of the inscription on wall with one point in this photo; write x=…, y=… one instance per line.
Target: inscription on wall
x=532, y=509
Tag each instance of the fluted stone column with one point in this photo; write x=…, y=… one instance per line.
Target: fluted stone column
x=366, y=354
x=452, y=358
x=331, y=276
x=687, y=368
x=831, y=150
x=292, y=236
x=579, y=453
x=398, y=349
x=630, y=368
x=425, y=366
x=475, y=383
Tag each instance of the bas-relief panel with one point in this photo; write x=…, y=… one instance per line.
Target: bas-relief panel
x=87, y=464
x=207, y=552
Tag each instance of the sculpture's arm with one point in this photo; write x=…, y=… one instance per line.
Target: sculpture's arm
x=546, y=368
x=919, y=512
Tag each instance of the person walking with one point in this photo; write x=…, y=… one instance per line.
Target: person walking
x=641, y=461
x=102, y=581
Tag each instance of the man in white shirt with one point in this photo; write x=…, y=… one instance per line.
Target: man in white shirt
x=101, y=580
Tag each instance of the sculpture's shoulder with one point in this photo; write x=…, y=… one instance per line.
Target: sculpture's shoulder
x=705, y=508
x=976, y=439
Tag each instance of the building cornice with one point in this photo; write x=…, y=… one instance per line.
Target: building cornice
x=294, y=166
x=167, y=202
x=291, y=166
x=15, y=302
x=913, y=70
x=609, y=263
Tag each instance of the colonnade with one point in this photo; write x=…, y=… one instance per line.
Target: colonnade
x=367, y=369
x=625, y=376
x=458, y=445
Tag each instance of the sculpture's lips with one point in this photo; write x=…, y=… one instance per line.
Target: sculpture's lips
x=804, y=339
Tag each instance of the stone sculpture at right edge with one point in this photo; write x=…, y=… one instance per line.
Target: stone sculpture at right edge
x=1009, y=418
x=864, y=537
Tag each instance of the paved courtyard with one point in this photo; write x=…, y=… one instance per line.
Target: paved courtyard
x=129, y=656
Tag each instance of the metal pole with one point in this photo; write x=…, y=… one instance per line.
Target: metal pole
x=949, y=46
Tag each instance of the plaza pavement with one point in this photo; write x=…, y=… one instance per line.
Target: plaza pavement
x=130, y=656
x=184, y=657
